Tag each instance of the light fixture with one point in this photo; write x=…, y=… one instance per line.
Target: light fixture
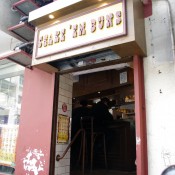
x=99, y=92
x=55, y=22
x=104, y=4
x=51, y=16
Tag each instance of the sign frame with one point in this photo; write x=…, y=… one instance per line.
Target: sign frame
x=37, y=37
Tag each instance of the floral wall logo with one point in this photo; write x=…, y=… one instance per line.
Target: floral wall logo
x=34, y=161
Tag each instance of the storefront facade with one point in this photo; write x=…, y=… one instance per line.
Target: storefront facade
x=41, y=107
x=111, y=29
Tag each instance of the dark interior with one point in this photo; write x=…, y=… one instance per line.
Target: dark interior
x=120, y=146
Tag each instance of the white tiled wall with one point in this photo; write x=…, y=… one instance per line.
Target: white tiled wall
x=65, y=96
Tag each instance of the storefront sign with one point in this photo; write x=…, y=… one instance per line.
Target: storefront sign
x=63, y=128
x=94, y=26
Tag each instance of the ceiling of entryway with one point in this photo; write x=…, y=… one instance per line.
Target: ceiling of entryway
x=93, y=62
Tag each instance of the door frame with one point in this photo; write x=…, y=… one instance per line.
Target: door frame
x=140, y=117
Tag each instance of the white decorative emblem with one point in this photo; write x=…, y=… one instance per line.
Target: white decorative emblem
x=138, y=140
x=34, y=161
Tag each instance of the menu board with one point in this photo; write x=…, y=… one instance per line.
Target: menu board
x=63, y=128
x=8, y=138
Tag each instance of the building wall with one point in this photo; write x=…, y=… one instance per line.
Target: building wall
x=8, y=16
x=35, y=127
x=159, y=69
x=7, y=42
x=65, y=96
x=8, y=68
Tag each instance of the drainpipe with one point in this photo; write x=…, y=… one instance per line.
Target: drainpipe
x=171, y=26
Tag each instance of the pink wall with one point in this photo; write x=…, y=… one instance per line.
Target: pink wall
x=147, y=8
x=34, y=139
x=140, y=117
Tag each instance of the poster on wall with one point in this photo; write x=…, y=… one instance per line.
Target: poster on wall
x=123, y=77
x=63, y=128
x=8, y=137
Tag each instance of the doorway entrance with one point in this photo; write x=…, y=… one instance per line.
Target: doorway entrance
x=117, y=85
x=121, y=85
x=123, y=91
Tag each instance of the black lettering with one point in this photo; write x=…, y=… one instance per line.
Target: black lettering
x=93, y=25
x=40, y=43
x=118, y=17
x=57, y=37
x=82, y=30
x=75, y=28
x=109, y=18
x=63, y=32
x=45, y=40
x=50, y=42
x=101, y=22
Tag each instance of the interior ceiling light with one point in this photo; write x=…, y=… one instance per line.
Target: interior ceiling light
x=51, y=16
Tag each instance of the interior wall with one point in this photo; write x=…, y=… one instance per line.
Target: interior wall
x=159, y=69
x=108, y=80
x=65, y=96
x=8, y=16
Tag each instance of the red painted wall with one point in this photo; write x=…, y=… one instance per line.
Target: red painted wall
x=147, y=8
x=35, y=123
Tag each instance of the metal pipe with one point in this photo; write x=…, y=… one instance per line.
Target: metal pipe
x=58, y=157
